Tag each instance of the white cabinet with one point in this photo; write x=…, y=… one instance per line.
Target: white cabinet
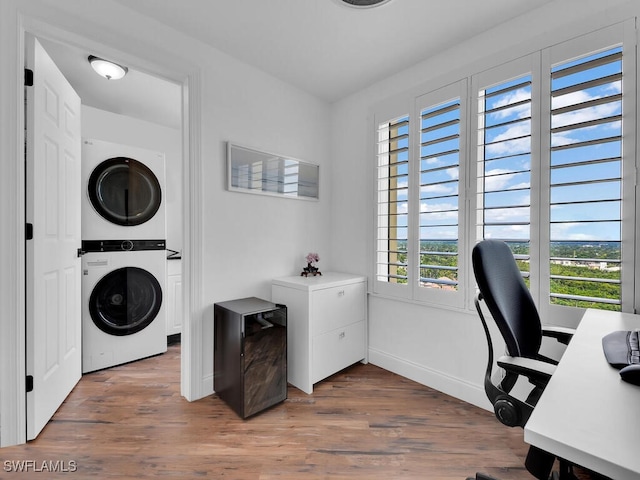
x=174, y=297
x=326, y=326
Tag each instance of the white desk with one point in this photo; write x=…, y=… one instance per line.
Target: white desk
x=587, y=414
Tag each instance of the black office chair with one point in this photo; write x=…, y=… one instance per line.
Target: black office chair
x=510, y=304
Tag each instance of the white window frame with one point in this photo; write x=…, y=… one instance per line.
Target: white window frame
x=621, y=34
x=457, y=90
x=395, y=108
x=527, y=65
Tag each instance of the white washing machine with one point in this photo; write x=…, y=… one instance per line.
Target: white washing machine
x=123, y=302
x=124, y=189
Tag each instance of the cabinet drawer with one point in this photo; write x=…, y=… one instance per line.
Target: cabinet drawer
x=335, y=350
x=337, y=307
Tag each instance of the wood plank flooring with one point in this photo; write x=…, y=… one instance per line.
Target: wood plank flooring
x=363, y=423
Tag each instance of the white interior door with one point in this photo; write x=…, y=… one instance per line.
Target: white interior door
x=54, y=337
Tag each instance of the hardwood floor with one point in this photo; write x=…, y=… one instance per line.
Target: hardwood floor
x=363, y=423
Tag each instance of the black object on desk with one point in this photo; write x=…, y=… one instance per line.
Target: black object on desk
x=250, y=354
x=622, y=351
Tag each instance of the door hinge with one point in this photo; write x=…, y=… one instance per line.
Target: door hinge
x=29, y=383
x=28, y=233
x=28, y=77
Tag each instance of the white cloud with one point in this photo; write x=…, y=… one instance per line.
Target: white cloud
x=499, y=179
x=439, y=189
x=441, y=233
x=520, y=129
x=519, y=111
x=580, y=231
x=518, y=232
x=519, y=214
x=508, y=147
x=584, y=114
x=437, y=207
x=582, y=96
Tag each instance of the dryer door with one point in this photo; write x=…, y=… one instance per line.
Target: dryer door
x=124, y=191
x=125, y=301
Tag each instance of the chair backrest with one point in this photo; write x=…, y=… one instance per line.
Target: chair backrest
x=507, y=298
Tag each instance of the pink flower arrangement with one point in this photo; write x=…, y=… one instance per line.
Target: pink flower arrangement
x=312, y=258
x=311, y=269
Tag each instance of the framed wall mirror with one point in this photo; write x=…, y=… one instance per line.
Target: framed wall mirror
x=253, y=171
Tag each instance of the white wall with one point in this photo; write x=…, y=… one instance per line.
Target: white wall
x=112, y=127
x=248, y=239
x=251, y=239
x=445, y=349
x=11, y=244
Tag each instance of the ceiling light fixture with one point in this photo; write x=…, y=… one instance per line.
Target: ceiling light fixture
x=107, y=69
x=364, y=3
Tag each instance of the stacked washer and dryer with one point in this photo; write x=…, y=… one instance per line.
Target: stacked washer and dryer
x=124, y=261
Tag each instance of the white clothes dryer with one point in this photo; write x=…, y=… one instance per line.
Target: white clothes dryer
x=124, y=189
x=123, y=308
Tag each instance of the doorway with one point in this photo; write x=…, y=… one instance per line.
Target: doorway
x=110, y=123
x=188, y=76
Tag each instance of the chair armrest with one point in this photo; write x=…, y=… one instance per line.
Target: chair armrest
x=528, y=367
x=562, y=334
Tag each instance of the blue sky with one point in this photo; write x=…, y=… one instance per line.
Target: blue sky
x=583, y=212
x=594, y=211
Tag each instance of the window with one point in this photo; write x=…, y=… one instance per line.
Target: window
x=393, y=201
x=504, y=166
x=439, y=178
x=550, y=171
x=553, y=170
x=586, y=181
x=418, y=209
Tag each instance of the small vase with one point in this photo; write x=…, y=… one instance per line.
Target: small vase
x=310, y=270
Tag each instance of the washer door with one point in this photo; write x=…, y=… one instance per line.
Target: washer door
x=125, y=301
x=124, y=191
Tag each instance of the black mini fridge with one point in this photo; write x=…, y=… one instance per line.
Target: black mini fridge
x=250, y=354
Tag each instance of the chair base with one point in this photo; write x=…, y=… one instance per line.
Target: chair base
x=540, y=463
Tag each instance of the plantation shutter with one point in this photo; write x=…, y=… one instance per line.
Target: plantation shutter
x=439, y=174
x=586, y=181
x=439, y=178
x=392, y=201
x=503, y=204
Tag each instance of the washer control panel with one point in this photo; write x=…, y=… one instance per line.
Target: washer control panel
x=122, y=245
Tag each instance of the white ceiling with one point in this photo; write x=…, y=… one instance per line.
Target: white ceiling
x=320, y=46
x=138, y=94
x=326, y=47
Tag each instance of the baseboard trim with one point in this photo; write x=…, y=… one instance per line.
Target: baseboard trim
x=207, y=385
x=463, y=390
